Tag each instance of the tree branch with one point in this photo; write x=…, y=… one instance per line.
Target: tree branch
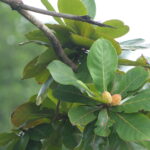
x=55, y=42
x=54, y=14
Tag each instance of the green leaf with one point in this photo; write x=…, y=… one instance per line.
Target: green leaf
x=72, y=95
x=22, y=143
x=46, y=57
x=75, y=7
x=5, y=138
x=131, y=81
x=102, y=127
x=63, y=74
x=40, y=132
x=27, y=113
x=119, y=29
x=89, y=140
x=139, y=102
x=48, y=5
x=81, y=115
x=102, y=63
x=70, y=136
x=32, y=69
x=91, y=7
x=34, y=145
x=42, y=77
x=81, y=41
x=133, y=127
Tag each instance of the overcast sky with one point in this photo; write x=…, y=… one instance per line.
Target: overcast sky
x=135, y=13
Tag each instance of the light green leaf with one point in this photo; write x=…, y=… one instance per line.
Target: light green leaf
x=119, y=29
x=91, y=7
x=131, y=81
x=48, y=5
x=133, y=127
x=139, y=102
x=81, y=41
x=63, y=74
x=102, y=128
x=102, y=63
x=81, y=115
x=75, y=7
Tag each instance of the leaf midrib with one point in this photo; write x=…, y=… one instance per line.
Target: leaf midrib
x=130, y=125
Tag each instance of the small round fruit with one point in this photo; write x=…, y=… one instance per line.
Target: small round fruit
x=116, y=99
x=106, y=97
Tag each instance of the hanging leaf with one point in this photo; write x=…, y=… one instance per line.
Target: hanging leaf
x=139, y=102
x=91, y=7
x=131, y=81
x=63, y=74
x=70, y=136
x=119, y=29
x=102, y=127
x=81, y=115
x=133, y=127
x=48, y=5
x=29, y=115
x=102, y=63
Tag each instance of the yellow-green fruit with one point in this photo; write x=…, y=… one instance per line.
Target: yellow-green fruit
x=106, y=97
x=116, y=99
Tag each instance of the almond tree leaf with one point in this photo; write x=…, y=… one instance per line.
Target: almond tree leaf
x=119, y=29
x=81, y=115
x=141, y=101
x=131, y=81
x=133, y=127
x=48, y=5
x=102, y=63
x=91, y=7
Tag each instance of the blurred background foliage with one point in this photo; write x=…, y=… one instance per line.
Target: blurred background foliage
x=13, y=58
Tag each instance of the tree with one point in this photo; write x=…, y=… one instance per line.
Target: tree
x=85, y=102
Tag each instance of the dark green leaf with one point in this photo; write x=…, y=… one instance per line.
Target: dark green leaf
x=48, y=5
x=91, y=7
x=139, y=102
x=22, y=143
x=131, y=81
x=70, y=136
x=119, y=29
x=34, y=145
x=81, y=115
x=72, y=95
x=89, y=140
x=102, y=63
x=40, y=132
x=133, y=127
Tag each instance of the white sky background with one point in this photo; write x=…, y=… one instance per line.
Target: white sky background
x=135, y=13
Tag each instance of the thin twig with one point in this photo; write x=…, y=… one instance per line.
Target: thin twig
x=54, y=14
x=49, y=34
